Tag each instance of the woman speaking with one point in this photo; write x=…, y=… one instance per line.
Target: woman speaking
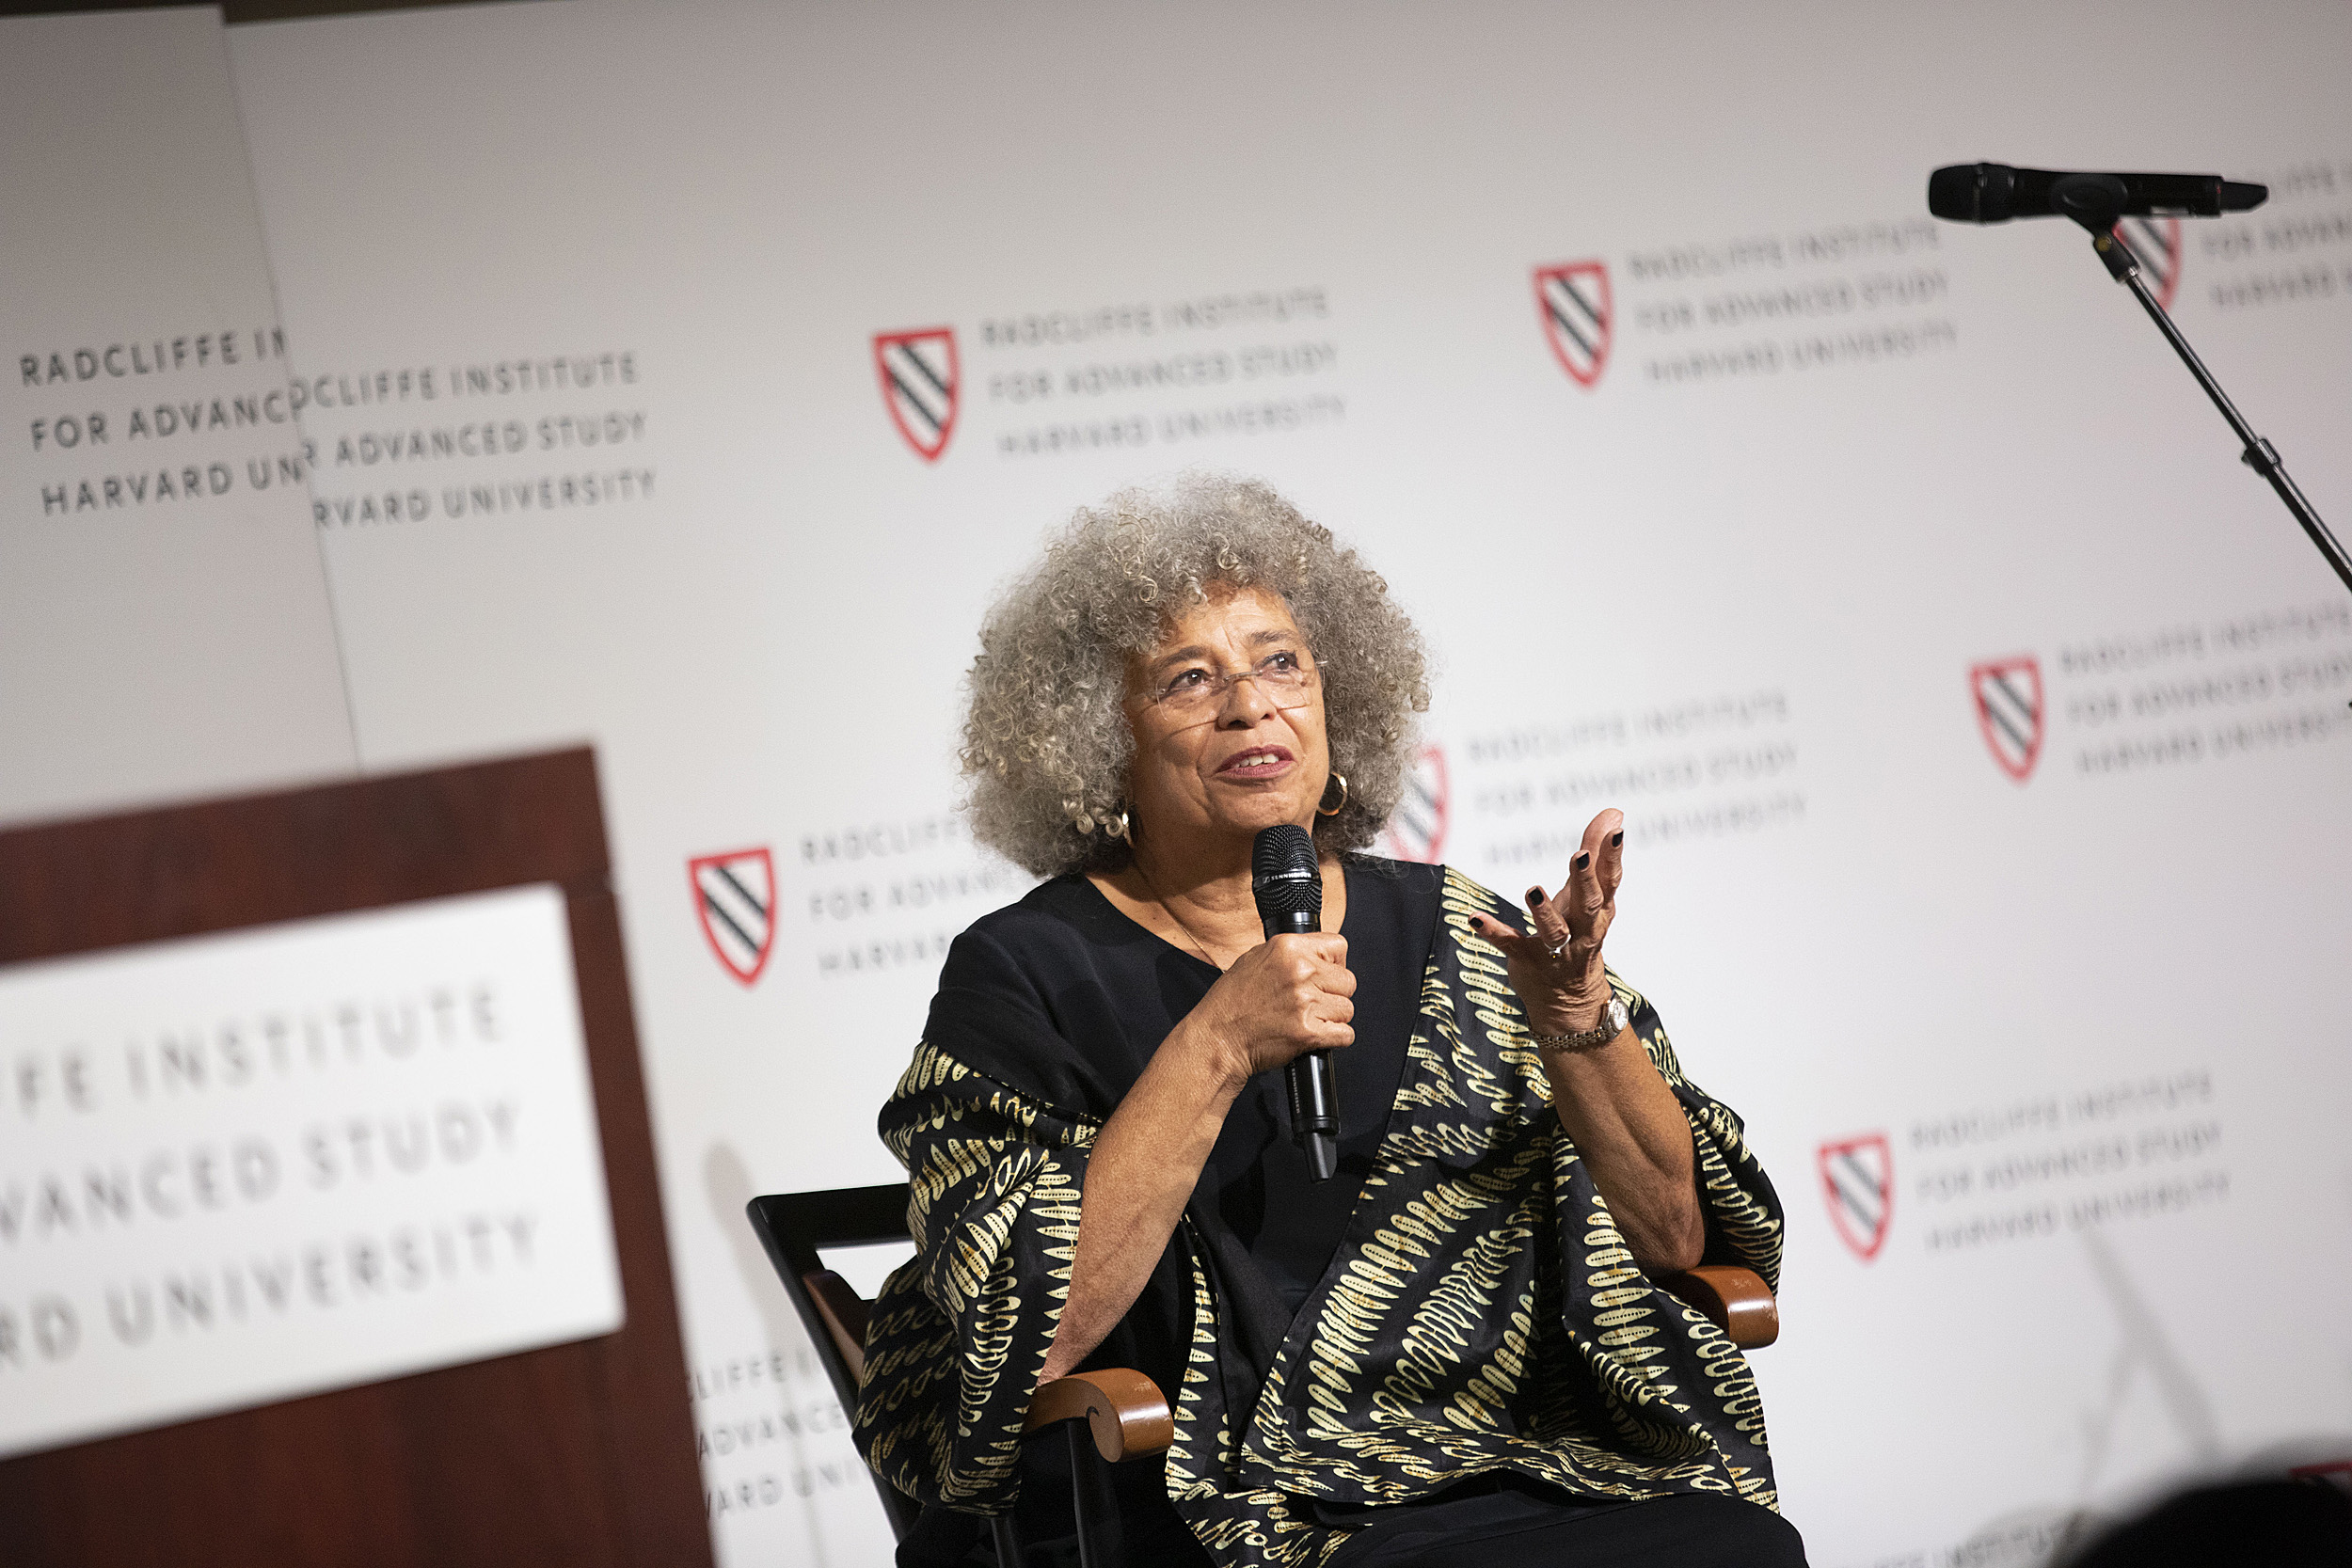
x=1453, y=1347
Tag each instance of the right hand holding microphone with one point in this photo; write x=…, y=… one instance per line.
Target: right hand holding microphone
x=1288, y=995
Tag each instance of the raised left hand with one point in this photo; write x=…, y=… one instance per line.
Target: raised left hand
x=1557, y=969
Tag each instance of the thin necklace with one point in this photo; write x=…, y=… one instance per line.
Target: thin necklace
x=1168, y=910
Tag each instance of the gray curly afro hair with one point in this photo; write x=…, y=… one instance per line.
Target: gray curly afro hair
x=1045, y=741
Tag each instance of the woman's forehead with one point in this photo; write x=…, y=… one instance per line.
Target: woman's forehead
x=1227, y=613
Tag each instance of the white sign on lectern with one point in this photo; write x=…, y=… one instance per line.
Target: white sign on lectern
x=241, y=1167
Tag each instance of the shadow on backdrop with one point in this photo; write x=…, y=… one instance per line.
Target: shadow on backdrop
x=728, y=1180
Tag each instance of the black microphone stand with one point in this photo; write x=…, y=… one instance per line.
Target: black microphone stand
x=2096, y=203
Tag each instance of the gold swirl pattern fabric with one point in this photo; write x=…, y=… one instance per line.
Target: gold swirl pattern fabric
x=1483, y=1312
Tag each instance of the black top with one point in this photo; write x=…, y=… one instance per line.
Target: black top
x=1114, y=990
x=1065, y=963
x=1256, y=1179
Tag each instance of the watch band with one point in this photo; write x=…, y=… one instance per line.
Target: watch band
x=1612, y=1024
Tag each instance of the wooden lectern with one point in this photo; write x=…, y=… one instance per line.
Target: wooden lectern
x=576, y=1455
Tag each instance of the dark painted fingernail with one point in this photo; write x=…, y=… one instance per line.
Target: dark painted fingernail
x=1583, y=859
x=1616, y=838
x=1534, y=898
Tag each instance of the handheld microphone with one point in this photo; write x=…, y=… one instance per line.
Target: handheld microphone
x=1995, y=193
x=1286, y=880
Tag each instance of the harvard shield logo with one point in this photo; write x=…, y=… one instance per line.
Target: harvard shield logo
x=734, y=898
x=1573, y=301
x=1416, y=830
x=2157, y=242
x=920, y=377
x=1858, y=1182
x=2008, y=694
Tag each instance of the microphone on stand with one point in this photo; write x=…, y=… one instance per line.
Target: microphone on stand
x=1286, y=880
x=1995, y=193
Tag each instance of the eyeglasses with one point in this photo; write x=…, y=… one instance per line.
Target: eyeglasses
x=1190, y=695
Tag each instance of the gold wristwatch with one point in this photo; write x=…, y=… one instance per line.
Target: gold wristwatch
x=1613, y=1021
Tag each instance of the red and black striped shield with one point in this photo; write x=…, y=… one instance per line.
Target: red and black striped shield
x=1416, y=830
x=920, y=380
x=1858, y=1183
x=2156, y=243
x=2008, y=694
x=1572, y=300
x=734, y=898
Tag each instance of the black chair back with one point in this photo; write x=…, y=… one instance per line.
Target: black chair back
x=794, y=1228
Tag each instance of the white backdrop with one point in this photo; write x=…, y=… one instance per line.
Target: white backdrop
x=589, y=299
x=163, y=620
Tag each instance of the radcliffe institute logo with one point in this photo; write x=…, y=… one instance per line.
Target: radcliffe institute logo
x=1572, y=300
x=1858, y=1180
x=1416, y=830
x=920, y=379
x=734, y=898
x=2157, y=243
x=2008, y=694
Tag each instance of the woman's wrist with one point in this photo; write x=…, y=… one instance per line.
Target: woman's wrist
x=1209, y=1058
x=1608, y=1024
x=1568, y=1015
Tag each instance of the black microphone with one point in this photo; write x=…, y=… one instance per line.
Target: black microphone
x=1995, y=193
x=1286, y=880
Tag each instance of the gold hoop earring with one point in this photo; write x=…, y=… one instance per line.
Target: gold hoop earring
x=1337, y=807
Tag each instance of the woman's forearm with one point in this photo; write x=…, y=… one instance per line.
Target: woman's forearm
x=1632, y=1134
x=1144, y=1166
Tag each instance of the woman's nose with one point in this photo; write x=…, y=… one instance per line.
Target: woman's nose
x=1246, y=701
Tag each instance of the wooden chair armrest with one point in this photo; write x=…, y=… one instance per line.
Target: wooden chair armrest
x=1126, y=1410
x=845, y=1313
x=1735, y=1300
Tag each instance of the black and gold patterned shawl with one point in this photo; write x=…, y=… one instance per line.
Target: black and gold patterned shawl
x=1481, y=1313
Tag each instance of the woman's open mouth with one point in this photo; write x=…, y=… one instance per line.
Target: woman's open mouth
x=1258, y=762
